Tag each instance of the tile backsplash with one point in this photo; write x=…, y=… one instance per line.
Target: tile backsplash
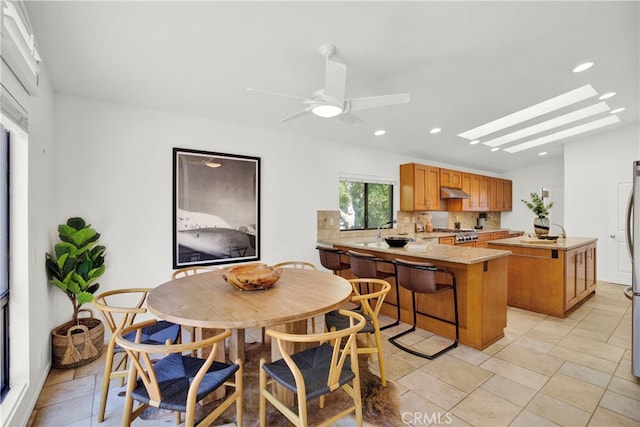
x=329, y=222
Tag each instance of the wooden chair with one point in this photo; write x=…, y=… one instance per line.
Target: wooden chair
x=421, y=277
x=189, y=271
x=330, y=365
x=177, y=382
x=369, y=295
x=305, y=266
x=119, y=309
x=366, y=266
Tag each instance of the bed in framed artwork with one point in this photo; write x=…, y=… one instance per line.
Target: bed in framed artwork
x=216, y=208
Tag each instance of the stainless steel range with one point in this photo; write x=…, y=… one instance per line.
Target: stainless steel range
x=463, y=235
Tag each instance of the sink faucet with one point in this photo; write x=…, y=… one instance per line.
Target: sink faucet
x=563, y=235
x=385, y=225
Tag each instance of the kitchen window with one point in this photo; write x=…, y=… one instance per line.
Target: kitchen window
x=365, y=205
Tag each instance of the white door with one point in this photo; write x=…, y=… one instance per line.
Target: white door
x=619, y=263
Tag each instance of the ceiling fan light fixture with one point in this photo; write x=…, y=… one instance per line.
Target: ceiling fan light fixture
x=326, y=111
x=213, y=163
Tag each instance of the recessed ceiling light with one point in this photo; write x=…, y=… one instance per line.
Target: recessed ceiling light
x=544, y=107
x=582, y=67
x=607, y=95
x=583, y=113
x=474, y=142
x=617, y=110
x=609, y=120
x=435, y=130
x=544, y=153
x=213, y=163
x=495, y=149
x=380, y=132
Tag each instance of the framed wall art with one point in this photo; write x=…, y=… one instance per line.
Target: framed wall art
x=216, y=208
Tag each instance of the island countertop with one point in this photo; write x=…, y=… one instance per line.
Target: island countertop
x=560, y=244
x=432, y=251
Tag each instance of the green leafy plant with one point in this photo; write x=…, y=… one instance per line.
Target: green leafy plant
x=537, y=205
x=77, y=263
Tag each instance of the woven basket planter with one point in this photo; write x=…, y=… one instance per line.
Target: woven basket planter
x=77, y=343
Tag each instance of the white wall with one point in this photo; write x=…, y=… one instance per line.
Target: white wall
x=122, y=182
x=531, y=180
x=591, y=166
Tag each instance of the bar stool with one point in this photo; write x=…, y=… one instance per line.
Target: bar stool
x=331, y=259
x=365, y=266
x=419, y=277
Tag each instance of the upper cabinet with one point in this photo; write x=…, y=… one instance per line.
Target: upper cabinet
x=449, y=178
x=500, y=195
x=420, y=188
x=477, y=186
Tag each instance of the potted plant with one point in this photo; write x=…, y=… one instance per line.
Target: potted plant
x=74, y=267
x=541, y=224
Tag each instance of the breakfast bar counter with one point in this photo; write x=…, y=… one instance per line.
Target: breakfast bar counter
x=481, y=276
x=550, y=276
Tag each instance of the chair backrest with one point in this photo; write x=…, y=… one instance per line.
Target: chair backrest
x=296, y=264
x=188, y=271
x=363, y=265
x=120, y=307
x=144, y=356
x=330, y=258
x=416, y=276
x=344, y=348
x=376, y=291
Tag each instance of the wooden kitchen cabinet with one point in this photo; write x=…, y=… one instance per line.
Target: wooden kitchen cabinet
x=549, y=278
x=477, y=186
x=450, y=178
x=485, y=236
x=420, y=188
x=447, y=240
x=580, y=276
x=500, y=198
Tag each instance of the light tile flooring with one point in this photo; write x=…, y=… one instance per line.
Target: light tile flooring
x=545, y=372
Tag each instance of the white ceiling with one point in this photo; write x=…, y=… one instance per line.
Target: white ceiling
x=464, y=63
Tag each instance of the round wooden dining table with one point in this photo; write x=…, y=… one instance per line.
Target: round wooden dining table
x=207, y=301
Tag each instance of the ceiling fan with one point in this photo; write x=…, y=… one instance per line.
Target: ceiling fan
x=330, y=100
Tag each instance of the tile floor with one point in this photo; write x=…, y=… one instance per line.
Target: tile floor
x=545, y=372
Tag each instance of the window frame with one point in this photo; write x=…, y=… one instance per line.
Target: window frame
x=4, y=290
x=366, y=205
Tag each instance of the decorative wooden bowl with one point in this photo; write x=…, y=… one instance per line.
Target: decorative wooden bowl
x=252, y=277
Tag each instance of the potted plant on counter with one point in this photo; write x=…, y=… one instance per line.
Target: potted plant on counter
x=541, y=223
x=74, y=267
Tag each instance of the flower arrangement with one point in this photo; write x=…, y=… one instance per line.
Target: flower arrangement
x=537, y=205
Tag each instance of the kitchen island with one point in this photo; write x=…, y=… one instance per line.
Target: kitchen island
x=550, y=277
x=481, y=276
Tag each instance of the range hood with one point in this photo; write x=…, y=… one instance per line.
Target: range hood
x=452, y=193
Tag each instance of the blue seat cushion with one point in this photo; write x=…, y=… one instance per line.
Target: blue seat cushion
x=339, y=321
x=175, y=373
x=314, y=363
x=158, y=333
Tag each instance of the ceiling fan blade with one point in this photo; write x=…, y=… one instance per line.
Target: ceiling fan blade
x=364, y=103
x=335, y=81
x=350, y=118
x=277, y=94
x=296, y=115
